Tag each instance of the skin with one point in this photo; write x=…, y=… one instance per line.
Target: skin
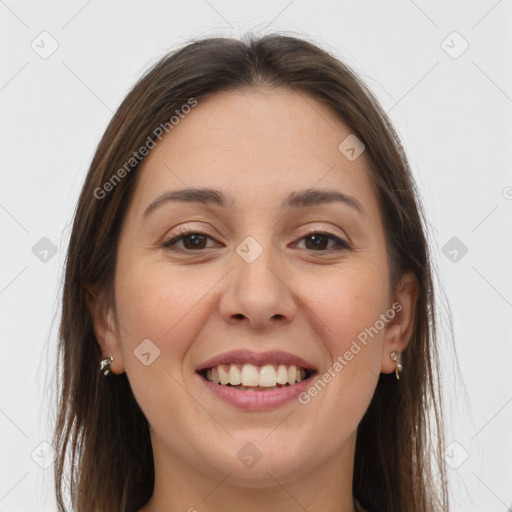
x=256, y=146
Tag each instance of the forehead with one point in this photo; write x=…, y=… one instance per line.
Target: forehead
x=263, y=143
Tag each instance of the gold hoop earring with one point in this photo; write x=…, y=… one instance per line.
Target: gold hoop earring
x=395, y=355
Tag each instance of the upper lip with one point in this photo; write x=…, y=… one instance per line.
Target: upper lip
x=243, y=356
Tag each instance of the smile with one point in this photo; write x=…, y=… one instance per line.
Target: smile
x=263, y=389
x=249, y=376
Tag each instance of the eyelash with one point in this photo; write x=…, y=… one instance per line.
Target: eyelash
x=341, y=244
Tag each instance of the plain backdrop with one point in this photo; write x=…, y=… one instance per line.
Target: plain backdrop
x=440, y=69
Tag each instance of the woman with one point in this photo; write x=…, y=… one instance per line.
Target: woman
x=248, y=314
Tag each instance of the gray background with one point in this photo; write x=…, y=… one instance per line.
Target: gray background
x=451, y=105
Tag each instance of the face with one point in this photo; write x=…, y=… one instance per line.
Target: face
x=308, y=279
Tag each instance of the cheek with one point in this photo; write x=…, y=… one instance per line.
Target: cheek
x=163, y=305
x=346, y=309
x=346, y=312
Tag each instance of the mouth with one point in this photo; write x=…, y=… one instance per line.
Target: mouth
x=256, y=381
x=251, y=377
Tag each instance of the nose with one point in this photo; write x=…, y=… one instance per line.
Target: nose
x=258, y=293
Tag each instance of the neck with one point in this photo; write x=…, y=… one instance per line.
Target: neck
x=190, y=486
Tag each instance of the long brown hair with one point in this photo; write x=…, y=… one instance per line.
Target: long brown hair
x=398, y=459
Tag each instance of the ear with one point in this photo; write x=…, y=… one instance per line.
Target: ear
x=399, y=329
x=105, y=329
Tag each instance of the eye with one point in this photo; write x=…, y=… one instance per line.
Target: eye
x=319, y=240
x=196, y=240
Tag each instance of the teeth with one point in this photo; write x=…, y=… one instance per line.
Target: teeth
x=249, y=375
x=235, y=377
x=267, y=377
x=282, y=374
x=292, y=375
x=223, y=375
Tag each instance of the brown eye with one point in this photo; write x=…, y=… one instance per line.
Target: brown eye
x=196, y=241
x=191, y=241
x=318, y=242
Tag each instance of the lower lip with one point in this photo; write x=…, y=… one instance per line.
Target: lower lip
x=257, y=400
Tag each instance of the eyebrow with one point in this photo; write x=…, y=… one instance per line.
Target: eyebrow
x=298, y=199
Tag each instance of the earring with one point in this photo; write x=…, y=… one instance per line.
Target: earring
x=105, y=367
x=395, y=356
